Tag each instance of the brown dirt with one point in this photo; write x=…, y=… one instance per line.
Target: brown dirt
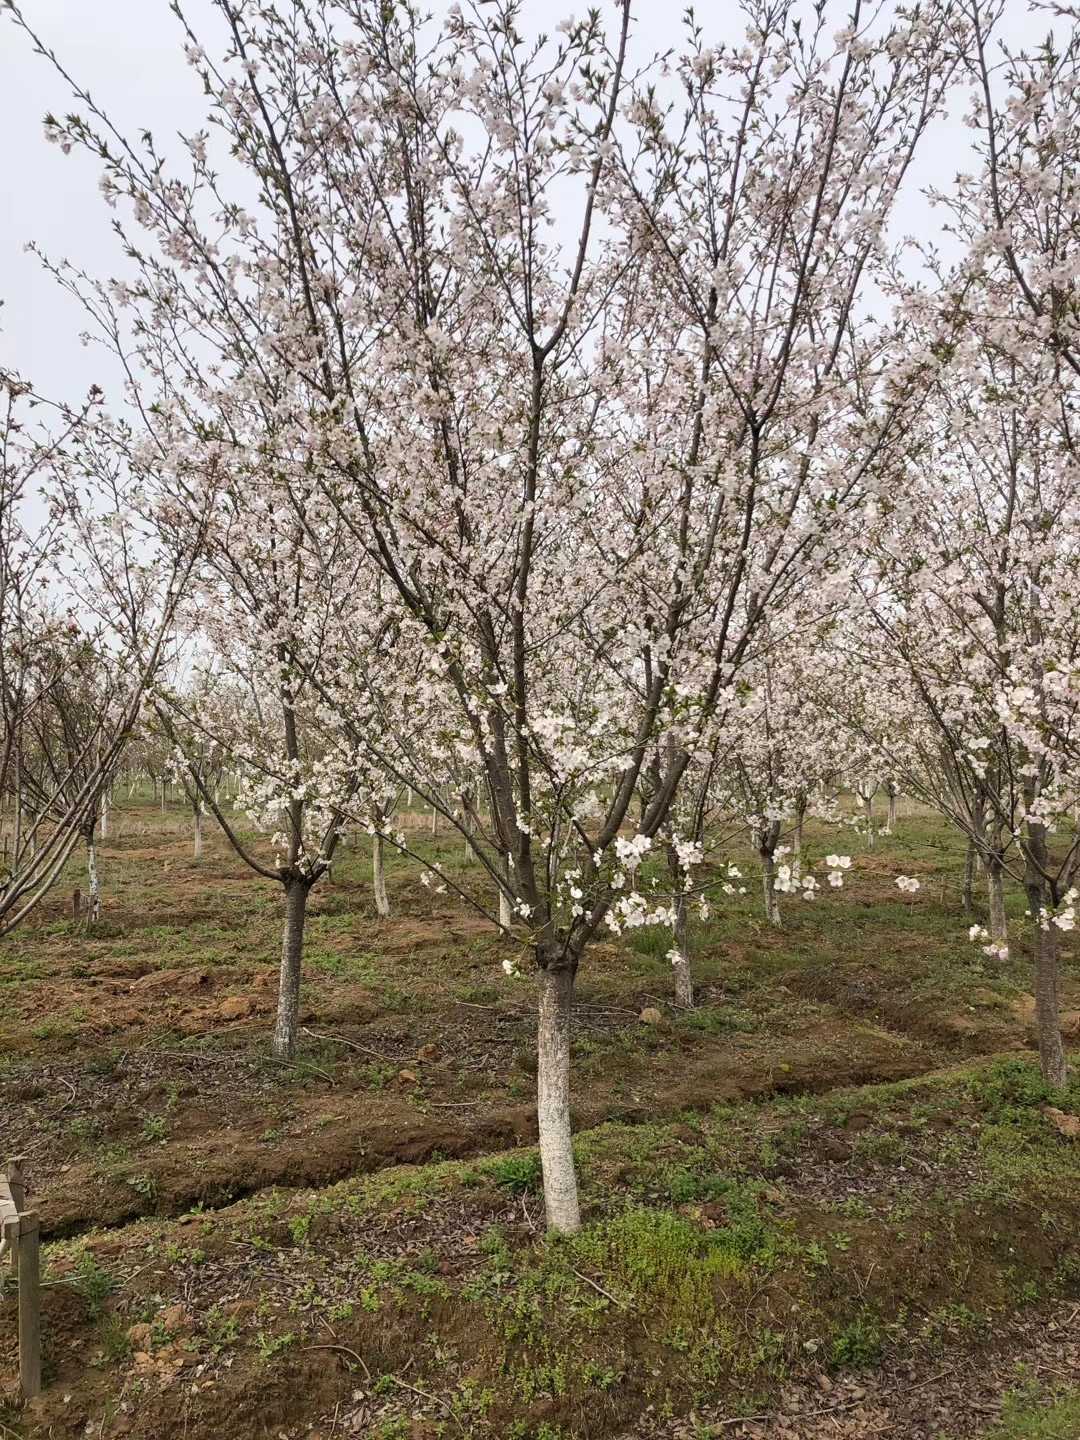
x=136, y=1081
x=235, y=1124
x=955, y=1393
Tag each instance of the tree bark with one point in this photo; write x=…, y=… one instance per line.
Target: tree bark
x=197, y=849
x=892, y=811
x=797, y=838
x=506, y=913
x=556, y=994
x=684, y=983
x=968, y=895
x=999, y=927
x=378, y=872
x=283, y=1043
x=680, y=960
x=868, y=813
x=1048, y=1006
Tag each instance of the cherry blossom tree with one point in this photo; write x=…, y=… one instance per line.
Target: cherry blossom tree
x=583, y=373
x=87, y=605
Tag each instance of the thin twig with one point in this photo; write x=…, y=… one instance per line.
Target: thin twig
x=340, y=1040
x=671, y=1004
x=71, y=1087
x=921, y=1383
x=239, y=1060
x=599, y=1289
x=435, y=1399
x=828, y=1409
x=345, y=1350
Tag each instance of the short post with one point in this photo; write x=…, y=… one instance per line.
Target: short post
x=16, y=1182
x=15, y=1197
x=24, y=1234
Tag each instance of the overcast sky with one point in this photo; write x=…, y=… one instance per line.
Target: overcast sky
x=128, y=53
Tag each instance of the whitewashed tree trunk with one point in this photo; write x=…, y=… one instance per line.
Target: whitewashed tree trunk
x=105, y=817
x=283, y=1043
x=768, y=885
x=556, y=994
x=198, y=842
x=680, y=950
x=378, y=871
x=868, y=815
x=93, y=884
x=506, y=914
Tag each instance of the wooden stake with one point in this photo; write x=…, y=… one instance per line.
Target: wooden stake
x=24, y=1232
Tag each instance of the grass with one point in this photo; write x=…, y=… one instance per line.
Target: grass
x=1035, y=1416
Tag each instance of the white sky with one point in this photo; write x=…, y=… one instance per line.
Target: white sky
x=128, y=53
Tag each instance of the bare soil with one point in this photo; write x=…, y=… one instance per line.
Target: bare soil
x=136, y=1081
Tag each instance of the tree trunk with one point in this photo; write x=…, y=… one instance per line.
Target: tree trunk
x=680, y=963
x=93, y=884
x=197, y=850
x=292, y=952
x=766, y=845
x=680, y=955
x=104, y=817
x=892, y=811
x=556, y=994
x=382, y=903
x=1047, y=983
x=768, y=885
x=796, y=843
x=506, y=914
x=868, y=813
x=968, y=894
x=999, y=928
x=1047, y=1002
